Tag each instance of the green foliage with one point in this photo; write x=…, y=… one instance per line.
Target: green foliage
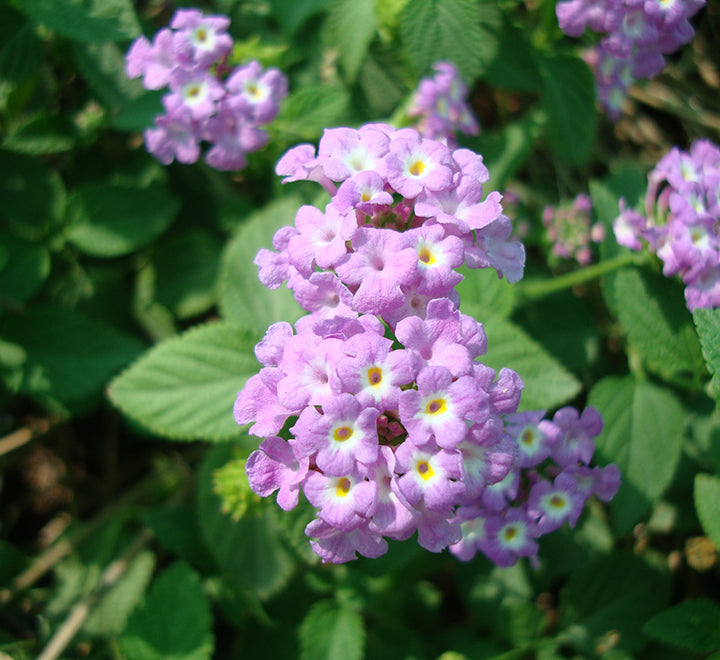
x=308, y=111
x=643, y=434
x=547, y=383
x=707, y=323
x=332, y=630
x=356, y=17
x=187, y=634
x=185, y=387
x=707, y=505
x=693, y=625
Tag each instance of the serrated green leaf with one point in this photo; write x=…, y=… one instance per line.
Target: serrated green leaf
x=483, y=294
x=109, y=616
x=174, y=622
x=692, y=625
x=85, y=20
x=26, y=270
x=185, y=387
x=69, y=356
x=652, y=312
x=243, y=299
x=112, y=220
x=332, y=631
x=41, y=134
x=707, y=505
x=568, y=98
x=186, y=271
x=707, y=323
x=547, y=383
x=307, y=112
x=453, y=30
x=643, y=434
x=610, y=594
x=356, y=17
x=248, y=551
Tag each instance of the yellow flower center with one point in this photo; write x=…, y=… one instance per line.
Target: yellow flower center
x=417, y=168
x=557, y=501
x=426, y=256
x=343, y=487
x=510, y=532
x=424, y=469
x=342, y=433
x=435, y=407
x=374, y=376
x=527, y=436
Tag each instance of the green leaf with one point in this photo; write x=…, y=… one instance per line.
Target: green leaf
x=643, y=434
x=292, y=14
x=652, y=312
x=243, y=299
x=20, y=50
x=483, y=294
x=33, y=196
x=707, y=323
x=248, y=550
x=112, y=220
x=627, y=181
x=26, y=270
x=332, y=630
x=175, y=622
x=109, y=616
x=41, y=134
x=568, y=98
x=85, y=20
x=707, y=505
x=381, y=80
x=186, y=271
x=184, y=388
x=614, y=594
x=356, y=17
x=307, y=112
x=547, y=383
x=453, y=30
x=514, y=67
x=693, y=625
x=69, y=356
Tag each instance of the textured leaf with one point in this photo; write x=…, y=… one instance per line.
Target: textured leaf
x=568, y=98
x=185, y=387
x=707, y=323
x=308, y=111
x=248, y=550
x=113, y=220
x=20, y=50
x=26, y=270
x=175, y=622
x=186, y=270
x=85, y=20
x=381, y=80
x=109, y=616
x=693, y=625
x=643, y=434
x=547, y=383
x=483, y=294
x=356, y=17
x=707, y=505
x=69, y=356
x=514, y=67
x=332, y=631
x=653, y=314
x=243, y=299
x=292, y=14
x=451, y=30
x=41, y=134
x=613, y=594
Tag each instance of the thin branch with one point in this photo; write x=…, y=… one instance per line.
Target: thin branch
x=24, y=435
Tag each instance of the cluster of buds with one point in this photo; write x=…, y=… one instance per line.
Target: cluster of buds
x=570, y=229
x=441, y=107
x=638, y=33
x=374, y=405
x=208, y=100
x=682, y=215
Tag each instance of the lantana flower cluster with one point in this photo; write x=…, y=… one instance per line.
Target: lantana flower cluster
x=570, y=229
x=637, y=36
x=682, y=220
x=374, y=405
x=440, y=104
x=207, y=99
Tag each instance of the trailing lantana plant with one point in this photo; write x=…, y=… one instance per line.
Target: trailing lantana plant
x=375, y=405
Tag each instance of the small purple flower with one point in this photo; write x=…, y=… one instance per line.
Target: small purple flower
x=415, y=164
x=275, y=466
x=554, y=503
x=345, y=502
x=509, y=536
x=577, y=432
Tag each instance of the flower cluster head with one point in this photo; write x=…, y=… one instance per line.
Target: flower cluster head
x=682, y=220
x=440, y=105
x=374, y=405
x=637, y=33
x=570, y=229
x=207, y=100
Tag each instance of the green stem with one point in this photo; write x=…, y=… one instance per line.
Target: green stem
x=533, y=289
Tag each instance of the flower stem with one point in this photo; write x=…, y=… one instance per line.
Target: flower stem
x=539, y=288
